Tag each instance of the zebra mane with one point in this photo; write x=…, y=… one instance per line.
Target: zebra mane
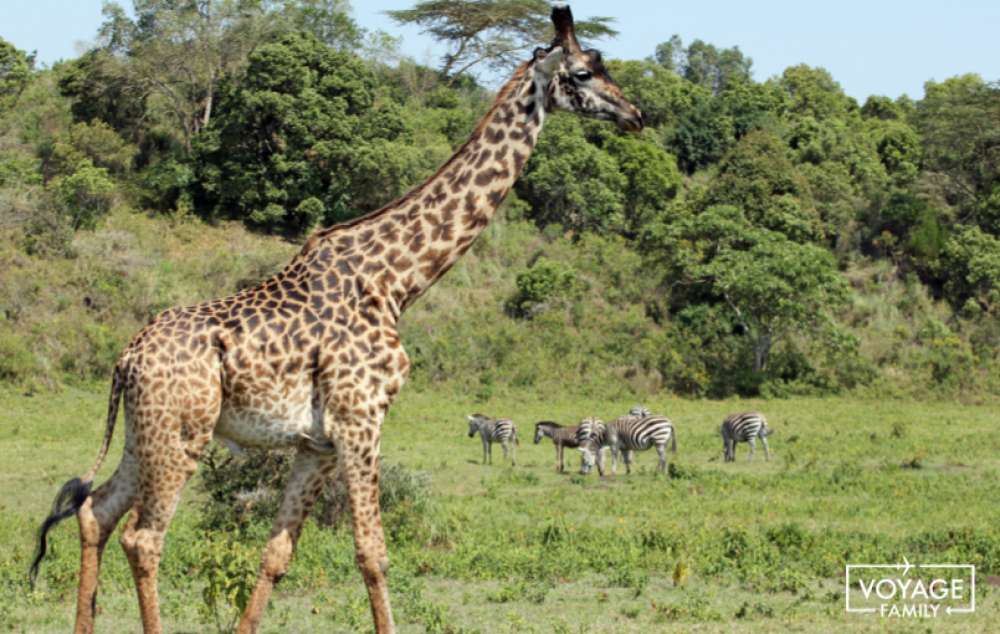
x=547, y=423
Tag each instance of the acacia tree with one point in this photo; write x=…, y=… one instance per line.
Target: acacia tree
x=495, y=33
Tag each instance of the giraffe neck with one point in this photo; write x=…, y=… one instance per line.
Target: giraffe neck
x=407, y=245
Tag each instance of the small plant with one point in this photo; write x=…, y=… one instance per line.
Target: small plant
x=898, y=430
x=230, y=570
x=915, y=462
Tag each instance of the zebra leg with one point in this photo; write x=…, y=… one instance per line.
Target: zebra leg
x=486, y=451
x=753, y=445
x=614, y=460
x=627, y=459
x=661, y=451
x=560, y=465
x=767, y=450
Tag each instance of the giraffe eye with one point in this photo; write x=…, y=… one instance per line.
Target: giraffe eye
x=582, y=75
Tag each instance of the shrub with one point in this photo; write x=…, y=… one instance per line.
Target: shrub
x=86, y=194
x=246, y=489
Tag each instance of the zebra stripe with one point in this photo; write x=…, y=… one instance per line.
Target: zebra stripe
x=490, y=430
x=626, y=434
x=744, y=427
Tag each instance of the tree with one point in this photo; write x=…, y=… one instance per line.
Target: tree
x=971, y=260
x=329, y=20
x=652, y=180
x=179, y=51
x=959, y=122
x=15, y=71
x=757, y=177
x=777, y=287
x=571, y=182
x=741, y=290
x=299, y=139
x=704, y=64
x=495, y=33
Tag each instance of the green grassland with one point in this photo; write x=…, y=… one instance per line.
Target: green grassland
x=711, y=547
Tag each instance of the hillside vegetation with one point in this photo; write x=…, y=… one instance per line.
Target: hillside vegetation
x=758, y=238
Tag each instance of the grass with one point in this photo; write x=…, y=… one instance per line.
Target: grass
x=716, y=547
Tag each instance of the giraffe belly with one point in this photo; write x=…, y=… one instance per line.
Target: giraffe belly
x=285, y=421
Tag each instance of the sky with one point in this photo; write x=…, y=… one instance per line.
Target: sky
x=885, y=47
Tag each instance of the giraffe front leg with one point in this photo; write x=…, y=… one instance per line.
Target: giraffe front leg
x=309, y=473
x=360, y=474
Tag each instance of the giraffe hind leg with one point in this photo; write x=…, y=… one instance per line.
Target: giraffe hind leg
x=309, y=473
x=162, y=476
x=98, y=517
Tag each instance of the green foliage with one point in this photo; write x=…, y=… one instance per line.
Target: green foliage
x=704, y=64
x=15, y=72
x=299, y=126
x=959, y=123
x=85, y=195
x=972, y=259
x=572, y=183
x=229, y=570
x=545, y=282
x=244, y=493
x=758, y=177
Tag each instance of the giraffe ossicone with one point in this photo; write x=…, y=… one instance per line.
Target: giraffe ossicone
x=311, y=358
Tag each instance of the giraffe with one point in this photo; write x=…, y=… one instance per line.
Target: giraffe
x=311, y=358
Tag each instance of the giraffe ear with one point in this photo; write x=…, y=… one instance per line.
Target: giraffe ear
x=548, y=62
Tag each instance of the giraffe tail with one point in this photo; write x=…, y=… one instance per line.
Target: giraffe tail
x=74, y=493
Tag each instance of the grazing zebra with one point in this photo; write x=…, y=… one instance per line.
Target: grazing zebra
x=745, y=427
x=562, y=437
x=626, y=434
x=501, y=430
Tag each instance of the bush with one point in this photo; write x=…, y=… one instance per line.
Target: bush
x=86, y=194
x=246, y=489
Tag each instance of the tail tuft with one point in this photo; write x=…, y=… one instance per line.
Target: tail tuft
x=70, y=498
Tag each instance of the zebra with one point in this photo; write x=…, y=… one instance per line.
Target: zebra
x=627, y=434
x=501, y=430
x=744, y=427
x=562, y=437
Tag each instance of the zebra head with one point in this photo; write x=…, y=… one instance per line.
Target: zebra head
x=588, y=435
x=540, y=428
x=475, y=420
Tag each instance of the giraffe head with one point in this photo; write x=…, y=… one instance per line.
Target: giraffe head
x=575, y=80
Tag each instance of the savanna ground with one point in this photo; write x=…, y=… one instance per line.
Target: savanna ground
x=712, y=547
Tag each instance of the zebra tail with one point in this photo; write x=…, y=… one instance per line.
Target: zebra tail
x=673, y=442
x=74, y=493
